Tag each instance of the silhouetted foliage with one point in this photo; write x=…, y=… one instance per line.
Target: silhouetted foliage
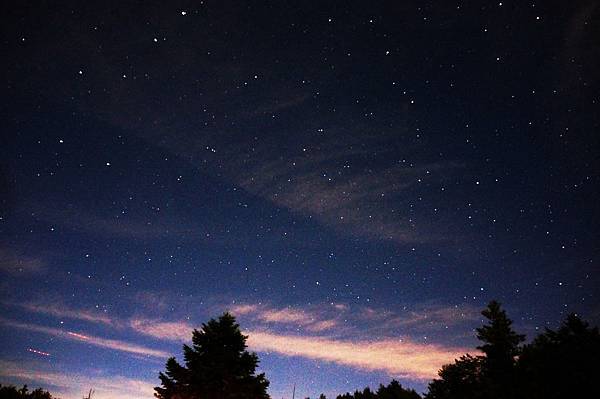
x=217, y=366
x=489, y=376
x=11, y=392
x=393, y=390
x=500, y=347
x=557, y=364
x=562, y=363
x=459, y=380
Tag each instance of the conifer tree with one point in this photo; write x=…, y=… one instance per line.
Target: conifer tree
x=500, y=342
x=217, y=366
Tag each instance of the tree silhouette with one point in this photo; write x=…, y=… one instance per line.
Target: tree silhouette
x=217, y=366
x=500, y=346
x=459, y=380
x=490, y=376
x=557, y=364
x=561, y=364
x=10, y=392
x=392, y=391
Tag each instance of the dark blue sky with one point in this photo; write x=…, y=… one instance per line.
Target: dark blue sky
x=354, y=182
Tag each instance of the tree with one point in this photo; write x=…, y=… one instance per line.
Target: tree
x=217, y=366
x=561, y=364
x=501, y=347
x=459, y=380
x=491, y=376
x=556, y=365
x=500, y=342
x=392, y=391
x=10, y=392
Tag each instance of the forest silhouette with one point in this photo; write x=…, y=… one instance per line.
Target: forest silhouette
x=560, y=363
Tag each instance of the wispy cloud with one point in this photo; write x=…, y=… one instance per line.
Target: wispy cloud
x=421, y=317
x=336, y=186
x=341, y=318
x=336, y=333
x=316, y=333
x=16, y=263
x=397, y=357
x=173, y=331
x=355, y=175
x=122, y=346
x=63, y=311
x=74, y=386
x=159, y=227
x=309, y=320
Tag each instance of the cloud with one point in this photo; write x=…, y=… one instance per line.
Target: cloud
x=175, y=331
x=356, y=175
x=160, y=227
x=63, y=311
x=309, y=320
x=243, y=309
x=74, y=386
x=421, y=316
x=117, y=345
x=398, y=357
x=16, y=263
x=341, y=318
x=327, y=332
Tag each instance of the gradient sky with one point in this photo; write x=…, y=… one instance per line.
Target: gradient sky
x=353, y=181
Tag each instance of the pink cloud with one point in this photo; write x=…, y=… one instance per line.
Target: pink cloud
x=122, y=346
x=399, y=357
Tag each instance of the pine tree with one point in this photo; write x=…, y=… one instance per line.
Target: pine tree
x=500, y=346
x=459, y=380
x=217, y=366
x=562, y=363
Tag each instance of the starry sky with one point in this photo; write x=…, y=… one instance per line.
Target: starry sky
x=354, y=181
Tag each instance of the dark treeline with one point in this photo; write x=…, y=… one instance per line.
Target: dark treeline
x=556, y=364
x=11, y=392
x=393, y=390
x=560, y=363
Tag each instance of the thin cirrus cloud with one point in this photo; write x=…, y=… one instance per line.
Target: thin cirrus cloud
x=341, y=173
x=310, y=321
x=16, y=263
x=315, y=333
x=81, y=219
x=340, y=319
x=420, y=317
x=113, y=344
x=402, y=357
x=338, y=186
x=62, y=311
x=399, y=357
x=74, y=386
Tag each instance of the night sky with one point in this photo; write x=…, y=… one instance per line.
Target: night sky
x=354, y=181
